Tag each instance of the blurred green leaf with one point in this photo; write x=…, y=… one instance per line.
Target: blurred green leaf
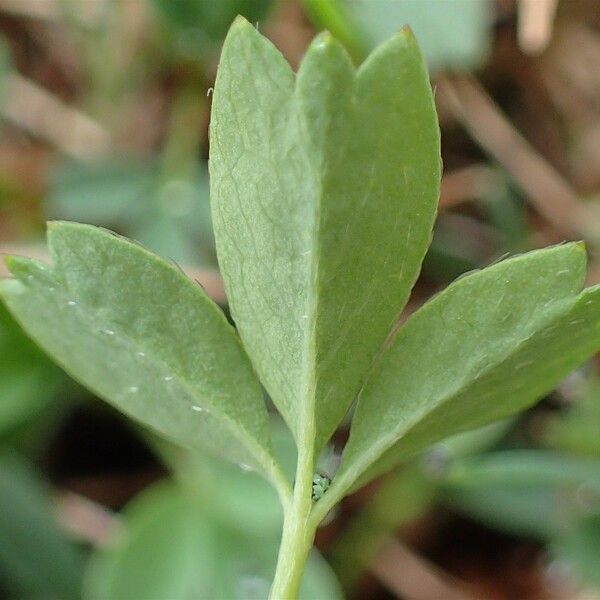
x=297, y=210
x=111, y=193
x=580, y=548
x=406, y=495
x=451, y=33
x=507, y=213
x=529, y=467
x=171, y=217
x=201, y=26
x=242, y=500
x=6, y=66
x=460, y=244
x=474, y=441
x=172, y=547
x=164, y=550
x=177, y=224
x=140, y=334
x=523, y=511
x=577, y=430
x=37, y=560
x=28, y=379
x=526, y=492
x=486, y=347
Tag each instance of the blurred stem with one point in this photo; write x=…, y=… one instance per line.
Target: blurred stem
x=331, y=15
x=404, y=496
x=101, y=45
x=182, y=146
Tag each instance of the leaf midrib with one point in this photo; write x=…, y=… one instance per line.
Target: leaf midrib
x=307, y=430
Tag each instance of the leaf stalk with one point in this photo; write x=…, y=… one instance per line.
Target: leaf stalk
x=298, y=532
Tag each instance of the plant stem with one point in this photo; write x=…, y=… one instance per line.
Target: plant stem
x=296, y=543
x=298, y=535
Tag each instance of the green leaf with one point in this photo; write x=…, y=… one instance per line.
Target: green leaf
x=576, y=429
x=162, y=551
x=530, y=493
x=306, y=174
x=28, y=380
x=6, y=66
x=473, y=441
x=172, y=547
x=176, y=222
x=165, y=549
x=209, y=21
x=37, y=559
x=138, y=333
x=109, y=193
x=171, y=216
x=242, y=500
x=580, y=548
x=523, y=467
x=488, y=346
x=531, y=512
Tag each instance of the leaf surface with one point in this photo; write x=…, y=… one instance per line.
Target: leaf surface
x=324, y=190
x=488, y=346
x=29, y=381
x=136, y=331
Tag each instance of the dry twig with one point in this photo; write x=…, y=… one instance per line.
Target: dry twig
x=85, y=519
x=51, y=10
x=536, y=19
x=545, y=187
x=409, y=575
x=45, y=116
x=466, y=184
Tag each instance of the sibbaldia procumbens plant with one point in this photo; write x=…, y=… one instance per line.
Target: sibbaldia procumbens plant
x=324, y=189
